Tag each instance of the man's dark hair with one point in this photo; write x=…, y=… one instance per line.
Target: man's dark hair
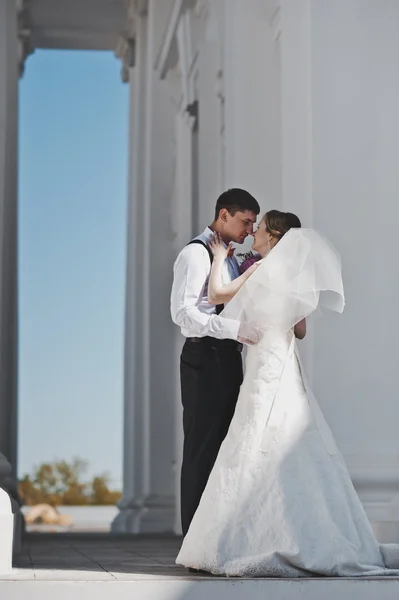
x=236, y=200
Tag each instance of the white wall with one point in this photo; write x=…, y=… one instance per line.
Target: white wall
x=239, y=99
x=355, y=97
x=339, y=146
x=210, y=150
x=299, y=105
x=252, y=106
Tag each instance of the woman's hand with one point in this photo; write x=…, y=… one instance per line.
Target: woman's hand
x=218, y=248
x=300, y=329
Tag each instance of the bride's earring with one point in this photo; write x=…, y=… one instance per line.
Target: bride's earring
x=268, y=245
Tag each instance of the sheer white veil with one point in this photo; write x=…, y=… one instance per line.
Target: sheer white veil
x=300, y=274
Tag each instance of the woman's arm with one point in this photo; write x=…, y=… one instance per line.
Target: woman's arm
x=217, y=292
x=300, y=329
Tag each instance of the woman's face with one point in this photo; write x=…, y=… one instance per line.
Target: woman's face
x=263, y=241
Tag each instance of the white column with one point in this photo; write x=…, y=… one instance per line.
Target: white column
x=9, y=67
x=135, y=459
x=294, y=24
x=251, y=89
x=158, y=258
x=182, y=215
x=210, y=134
x=148, y=503
x=291, y=23
x=8, y=229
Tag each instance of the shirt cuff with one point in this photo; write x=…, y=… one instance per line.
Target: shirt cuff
x=230, y=328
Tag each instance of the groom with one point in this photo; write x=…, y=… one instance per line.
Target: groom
x=210, y=364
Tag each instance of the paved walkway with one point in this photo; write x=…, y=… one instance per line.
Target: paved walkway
x=106, y=567
x=97, y=557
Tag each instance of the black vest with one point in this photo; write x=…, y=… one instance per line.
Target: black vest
x=219, y=307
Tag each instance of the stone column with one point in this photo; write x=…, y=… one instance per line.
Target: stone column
x=158, y=261
x=210, y=101
x=182, y=215
x=9, y=66
x=8, y=231
x=148, y=503
x=291, y=25
x=252, y=102
x=135, y=459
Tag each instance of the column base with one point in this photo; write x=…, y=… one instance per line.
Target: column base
x=159, y=515
x=129, y=518
x=155, y=515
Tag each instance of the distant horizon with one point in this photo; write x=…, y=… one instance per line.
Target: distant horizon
x=73, y=157
x=87, y=476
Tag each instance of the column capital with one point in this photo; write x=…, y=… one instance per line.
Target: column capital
x=24, y=34
x=167, y=53
x=126, y=52
x=126, y=47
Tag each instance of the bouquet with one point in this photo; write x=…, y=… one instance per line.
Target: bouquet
x=247, y=260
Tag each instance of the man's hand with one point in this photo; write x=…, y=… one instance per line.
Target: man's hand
x=249, y=334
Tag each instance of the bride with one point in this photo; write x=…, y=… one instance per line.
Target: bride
x=279, y=501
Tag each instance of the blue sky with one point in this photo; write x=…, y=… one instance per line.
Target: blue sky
x=72, y=236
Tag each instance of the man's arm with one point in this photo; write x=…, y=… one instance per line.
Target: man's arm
x=191, y=271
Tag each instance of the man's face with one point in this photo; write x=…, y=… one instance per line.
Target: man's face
x=236, y=228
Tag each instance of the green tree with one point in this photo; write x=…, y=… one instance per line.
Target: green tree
x=71, y=489
x=28, y=493
x=101, y=494
x=62, y=483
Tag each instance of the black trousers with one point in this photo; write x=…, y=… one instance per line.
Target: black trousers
x=211, y=375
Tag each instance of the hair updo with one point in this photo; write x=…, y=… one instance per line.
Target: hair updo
x=278, y=223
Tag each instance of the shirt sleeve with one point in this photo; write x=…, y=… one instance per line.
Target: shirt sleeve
x=190, y=272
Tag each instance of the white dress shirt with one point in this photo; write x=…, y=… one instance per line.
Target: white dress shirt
x=189, y=304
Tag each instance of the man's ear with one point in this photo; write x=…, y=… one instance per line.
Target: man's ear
x=223, y=214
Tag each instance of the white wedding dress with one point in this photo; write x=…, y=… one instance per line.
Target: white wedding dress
x=279, y=501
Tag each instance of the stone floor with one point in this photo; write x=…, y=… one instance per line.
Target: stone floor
x=98, y=557
x=105, y=567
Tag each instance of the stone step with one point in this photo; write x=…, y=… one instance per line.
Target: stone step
x=124, y=567
x=79, y=587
